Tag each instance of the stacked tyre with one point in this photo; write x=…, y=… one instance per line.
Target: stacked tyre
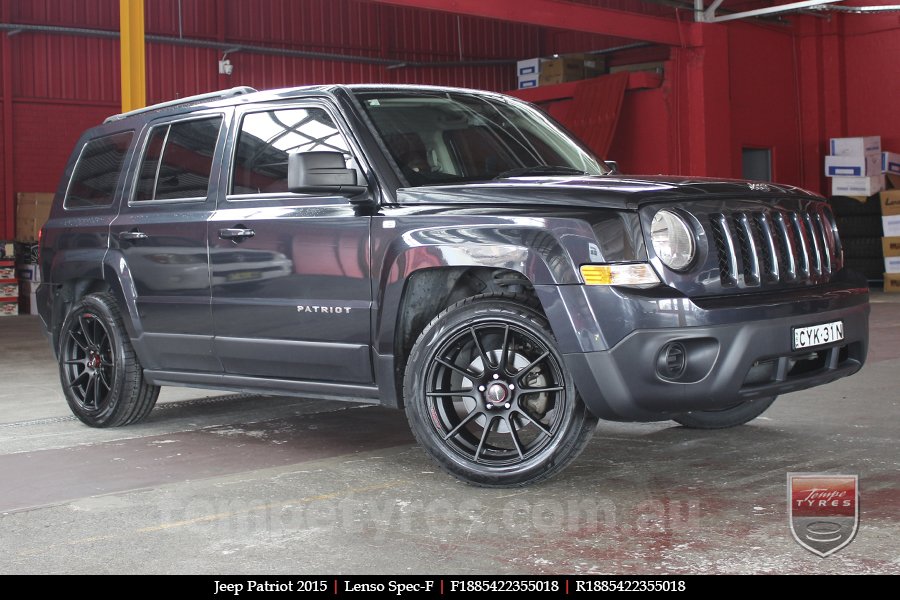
x=859, y=224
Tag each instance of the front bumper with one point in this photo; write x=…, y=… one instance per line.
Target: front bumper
x=735, y=350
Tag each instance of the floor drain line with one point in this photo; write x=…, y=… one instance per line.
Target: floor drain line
x=47, y=421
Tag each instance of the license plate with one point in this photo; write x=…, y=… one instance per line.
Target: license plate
x=243, y=275
x=817, y=335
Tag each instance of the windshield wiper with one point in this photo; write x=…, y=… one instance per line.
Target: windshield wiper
x=540, y=170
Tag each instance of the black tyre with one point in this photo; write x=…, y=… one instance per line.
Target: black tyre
x=101, y=377
x=861, y=247
x=846, y=207
x=729, y=417
x=871, y=268
x=489, y=397
x=859, y=226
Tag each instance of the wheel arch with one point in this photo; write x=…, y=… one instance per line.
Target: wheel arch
x=426, y=292
x=110, y=276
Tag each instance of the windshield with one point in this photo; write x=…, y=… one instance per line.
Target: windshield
x=449, y=137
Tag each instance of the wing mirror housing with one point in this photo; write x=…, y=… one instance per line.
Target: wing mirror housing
x=322, y=173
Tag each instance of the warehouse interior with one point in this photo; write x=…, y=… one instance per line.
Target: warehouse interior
x=794, y=93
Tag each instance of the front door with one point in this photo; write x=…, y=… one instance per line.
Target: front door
x=161, y=232
x=291, y=295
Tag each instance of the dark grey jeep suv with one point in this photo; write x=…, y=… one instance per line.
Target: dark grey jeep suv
x=451, y=252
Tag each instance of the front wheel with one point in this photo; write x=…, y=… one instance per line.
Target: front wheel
x=729, y=417
x=489, y=397
x=101, y=376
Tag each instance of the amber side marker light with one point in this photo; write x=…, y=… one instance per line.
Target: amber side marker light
x=630, y=274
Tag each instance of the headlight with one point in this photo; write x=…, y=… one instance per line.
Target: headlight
x=672, y=240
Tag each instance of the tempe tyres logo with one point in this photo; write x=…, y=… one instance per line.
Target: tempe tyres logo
x=824, y=510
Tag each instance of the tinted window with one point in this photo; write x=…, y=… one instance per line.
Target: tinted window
x=178, y=160
x=97, y=171
x=267, y=138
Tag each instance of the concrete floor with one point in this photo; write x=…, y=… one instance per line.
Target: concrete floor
x=217, y=483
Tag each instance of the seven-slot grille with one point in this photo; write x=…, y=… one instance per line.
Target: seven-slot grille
x=771, y=245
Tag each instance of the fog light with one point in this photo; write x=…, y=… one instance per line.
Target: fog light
x=672, y=361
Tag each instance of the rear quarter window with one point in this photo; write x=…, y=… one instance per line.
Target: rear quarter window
x=178, y=160
x=97, y=171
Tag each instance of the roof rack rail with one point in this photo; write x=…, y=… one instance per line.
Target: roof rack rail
x=220, y=95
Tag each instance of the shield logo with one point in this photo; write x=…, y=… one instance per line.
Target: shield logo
x=823, y=510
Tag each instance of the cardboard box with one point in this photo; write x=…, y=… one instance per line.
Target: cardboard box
x=856, y=146
x=890, y=202
x=530, y=67
x=891, y=225
x=28, y=273
x=855, y=186
x=32, y=211
x=594, y=66
x=562, y=69
x=890, y=246
x=892, y=264
x=7, y=270
x=9, y=309
x=892, y=282
x=862, y=165
x=528, y=81
x=890, y=163
x=891, y=181
x=9, y=290
x=528, y=72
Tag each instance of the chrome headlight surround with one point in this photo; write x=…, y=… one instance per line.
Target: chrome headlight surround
x=673, y=240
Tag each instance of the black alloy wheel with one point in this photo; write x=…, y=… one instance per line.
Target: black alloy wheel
x=101, y=376
x=87, y=362
x=489, y=396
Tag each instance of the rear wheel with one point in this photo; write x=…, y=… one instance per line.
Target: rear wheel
x=728, y=417
x=101, y=377
x=489, y=397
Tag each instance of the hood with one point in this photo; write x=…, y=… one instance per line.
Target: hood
x=602, y=191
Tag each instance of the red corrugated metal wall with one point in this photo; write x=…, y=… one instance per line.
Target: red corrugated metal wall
x=65, y=67
x=62, y=84
x=56, y=86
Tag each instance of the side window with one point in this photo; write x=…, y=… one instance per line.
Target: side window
x=178, y=160
x=97, y=172
x=267, y=138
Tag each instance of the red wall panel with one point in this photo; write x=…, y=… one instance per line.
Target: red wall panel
x=45, y=134
x=764, y=98
x=872, y=92
x=95, y=14
x=644, y=143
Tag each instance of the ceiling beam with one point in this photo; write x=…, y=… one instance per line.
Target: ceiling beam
x=709, y=14
x=561, y=15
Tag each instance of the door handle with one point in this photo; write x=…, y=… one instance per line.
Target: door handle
x=132, y=235
x=236, y=233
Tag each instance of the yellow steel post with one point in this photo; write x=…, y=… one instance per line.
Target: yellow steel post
x=131, y=24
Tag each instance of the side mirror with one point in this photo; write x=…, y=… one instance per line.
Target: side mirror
x=321, y=172
x=613, y=166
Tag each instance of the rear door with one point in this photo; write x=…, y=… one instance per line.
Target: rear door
x=161, y=232
x=290, y=272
